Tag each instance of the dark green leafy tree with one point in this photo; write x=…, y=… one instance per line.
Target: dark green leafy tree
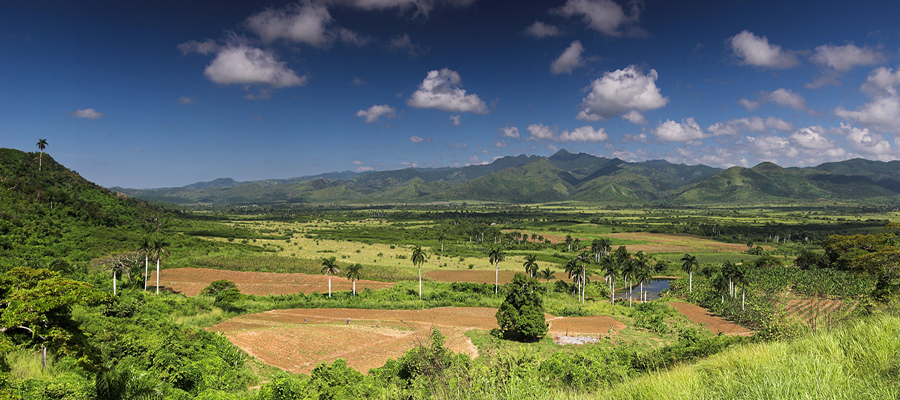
x=330, y=267
x=223, y=290
x=418, y=258
x=353, y=274
x=36, y=310
x=521, y=316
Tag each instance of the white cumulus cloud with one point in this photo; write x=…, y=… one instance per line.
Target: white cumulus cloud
x=671, y=131
x=756, y=51
x=404, y=44
x=606, y=16
x=242, y=64
x=568, y=60
x=87, y=113
x=540, y=30
x=186, y=100
x=621, y=91
x=635, y=117
x=304, y=22
x=865, y=141
x=377, y=111
x=843, y=58
x=881, y=113
x=207, y=46
x=782, y=97
x=582, y=134
x=509, y=132
x=455, y=120
x=812, y=138
x=441, y=90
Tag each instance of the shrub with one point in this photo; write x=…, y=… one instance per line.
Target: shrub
x=521, y=316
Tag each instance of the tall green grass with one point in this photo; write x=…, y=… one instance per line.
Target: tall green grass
x=859, y=361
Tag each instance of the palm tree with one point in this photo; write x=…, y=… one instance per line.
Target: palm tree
x=442, y=237
x=530, y=265
x=719, y=283
x=641, y=275
x=569, y=241
x=729, y=270
x=353, y=275
x=546, y=274
x=571, y=268
x=494, y=257
x=330, y=267
x=689, y=263
x=418, y=258
x=41, y=144
x=158, y=248
x=740, y=277
x=609, y=266
x=145, y=249
x=585, y=259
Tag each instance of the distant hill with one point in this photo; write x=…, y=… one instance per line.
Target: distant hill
x=561, y=177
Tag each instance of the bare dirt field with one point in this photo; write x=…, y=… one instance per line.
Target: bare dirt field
x=298, y=339
x=818, y=312
x=709, y=321
x=190, y=281
x=676, y=243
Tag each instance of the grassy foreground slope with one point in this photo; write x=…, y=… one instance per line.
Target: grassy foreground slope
x=858, y=361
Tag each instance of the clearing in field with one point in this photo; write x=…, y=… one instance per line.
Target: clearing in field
x=190, y=281
x=709, y=321
x=298, y=339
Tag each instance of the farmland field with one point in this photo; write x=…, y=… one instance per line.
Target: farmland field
x=190, y=281
x=296, y=340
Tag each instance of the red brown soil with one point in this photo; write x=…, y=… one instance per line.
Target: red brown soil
x=190, y=281
x=281, y=337
x=711, y=322
x=478, y=276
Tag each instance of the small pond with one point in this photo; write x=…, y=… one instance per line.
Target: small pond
x=653, y=290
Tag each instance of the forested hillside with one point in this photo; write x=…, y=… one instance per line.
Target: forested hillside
x=563, y=176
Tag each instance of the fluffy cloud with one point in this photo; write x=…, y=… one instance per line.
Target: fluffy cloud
x=756, y=51
x=357, y=162
x=782, y=97
x=843, y=58
x=582, y=134
x=635, y=117
x=373, y=113
x=416, y=139
x=186, y=100
x=404, y=44
x=455, y=120
x=364, y=169
x=87, y=113
x=812, y=138
x=540, y=30
x=441, y=90
x=620, y=91
x=242, y=64
x=500, y=144
x=568, y=60
x=606, y=16
x=881, y=113
x=302, y=23
x=753, y=124
x=671, y=131
x=207, y=46
x=509, y=132
x=771, y=147
x=865, y=141
x=422, y=7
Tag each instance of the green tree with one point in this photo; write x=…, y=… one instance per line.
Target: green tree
x=571, y=269
x=223, y=290
x=689, y=264
x=158, y=249
x=353, y=274
x=418, y=258
x=40, y=302
x=41, y=144
x=145, y=249
x=569, y=241
x=494, y=257
x=521, y=316
x=530, y=264
x=330, y=267
x=642, y=274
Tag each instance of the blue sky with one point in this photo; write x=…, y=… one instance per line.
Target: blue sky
x=167, y=93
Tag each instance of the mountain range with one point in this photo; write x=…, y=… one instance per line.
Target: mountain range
x=563, y=176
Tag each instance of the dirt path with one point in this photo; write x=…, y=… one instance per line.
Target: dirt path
x=298, y=339
x=715, y=324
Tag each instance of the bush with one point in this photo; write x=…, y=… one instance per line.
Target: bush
x=521, y=316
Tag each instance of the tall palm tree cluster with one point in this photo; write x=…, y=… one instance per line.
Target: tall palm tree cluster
x=724, y=279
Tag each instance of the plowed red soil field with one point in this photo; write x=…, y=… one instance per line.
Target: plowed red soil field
x=191, y=281
x=296, y=340
x=715, y=324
